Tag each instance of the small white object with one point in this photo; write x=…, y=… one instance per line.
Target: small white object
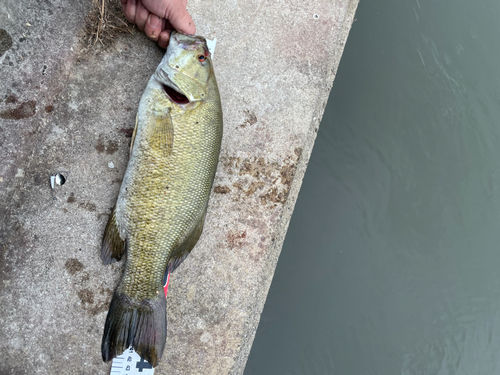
x=111, y=165
x=60, y=180
x=57, y=178
x=130, y=363
x=211, y=46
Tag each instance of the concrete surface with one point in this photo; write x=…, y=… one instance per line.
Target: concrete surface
x=65, y=108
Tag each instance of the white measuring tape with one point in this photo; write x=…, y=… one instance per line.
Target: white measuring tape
x=130, y=363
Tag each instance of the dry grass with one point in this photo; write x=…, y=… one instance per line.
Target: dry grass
x=105, y=22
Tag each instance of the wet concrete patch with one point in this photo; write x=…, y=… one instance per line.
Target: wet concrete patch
x=235, y=239
x=71, y=198
x=88, y=206
x=86, y=296
x=251, y=119
x=269, y=181
x=73, y=266
x=11, y=99
x=95, y=303
x=23, y=110
x=5, y=41
x=222, y=189
x=127, y=132
x=109, y=147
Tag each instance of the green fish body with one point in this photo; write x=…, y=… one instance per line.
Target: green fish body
x=161, y=207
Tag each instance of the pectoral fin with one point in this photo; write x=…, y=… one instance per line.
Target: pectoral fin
x=162, y=137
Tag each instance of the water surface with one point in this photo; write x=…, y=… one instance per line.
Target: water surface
x=391, y=264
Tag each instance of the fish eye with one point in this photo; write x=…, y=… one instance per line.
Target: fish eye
x=202, y=58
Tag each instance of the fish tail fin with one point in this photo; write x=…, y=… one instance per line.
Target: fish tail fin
x=140, y=324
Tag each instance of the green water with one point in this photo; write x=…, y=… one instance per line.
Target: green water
x=391, y=264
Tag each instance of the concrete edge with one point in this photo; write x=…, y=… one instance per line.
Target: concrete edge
x=250, y=329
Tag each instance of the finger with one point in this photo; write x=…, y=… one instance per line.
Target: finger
x=174, y=11
x=141, y=15
x=129, y=10
x=164, y=38
x=153, y=27
x=124, y=4
x=157, y=7
x=168, y=26
x=181, y=20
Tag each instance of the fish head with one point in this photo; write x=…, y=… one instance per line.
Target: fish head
x=186, y=69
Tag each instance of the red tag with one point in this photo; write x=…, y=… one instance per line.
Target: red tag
x=165, y=288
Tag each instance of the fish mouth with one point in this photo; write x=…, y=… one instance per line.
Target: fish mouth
x=174, y=95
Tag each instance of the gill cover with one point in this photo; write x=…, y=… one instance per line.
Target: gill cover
x=186, y=66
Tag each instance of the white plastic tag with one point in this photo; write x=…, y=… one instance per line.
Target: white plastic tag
x=211, y=46
x=130, y=363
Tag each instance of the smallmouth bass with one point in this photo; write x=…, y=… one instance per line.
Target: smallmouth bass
x=161, y=207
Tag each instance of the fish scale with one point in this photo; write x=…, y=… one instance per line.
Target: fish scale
x=160, y=210
x=177, y=212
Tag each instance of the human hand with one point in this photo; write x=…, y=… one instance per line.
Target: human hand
x=157, y=18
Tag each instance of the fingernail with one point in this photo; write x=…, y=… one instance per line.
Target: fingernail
x=154, y=21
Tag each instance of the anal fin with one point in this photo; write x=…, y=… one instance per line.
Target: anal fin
x=113, y=246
